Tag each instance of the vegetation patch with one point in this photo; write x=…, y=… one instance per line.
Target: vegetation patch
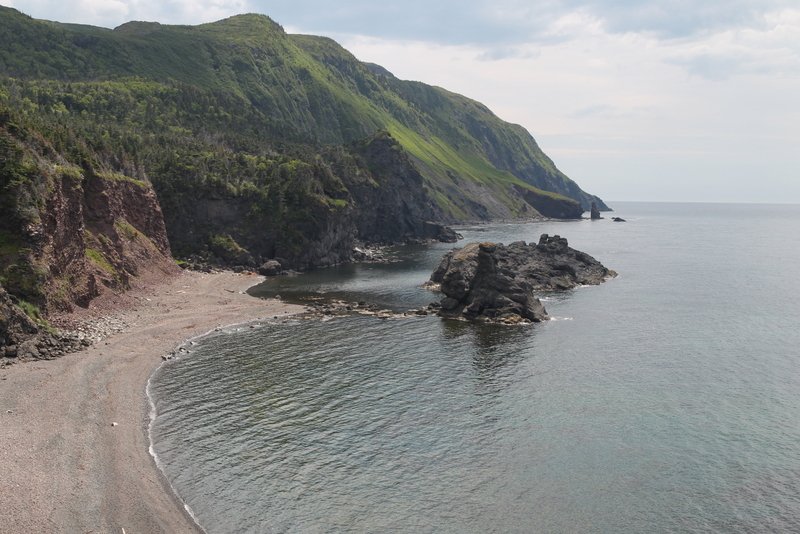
x=31, y=310
x=117, y=177
x=227, y=249
x=10, y=245
x=126, y=229
x=97, y=257
x=70, y=171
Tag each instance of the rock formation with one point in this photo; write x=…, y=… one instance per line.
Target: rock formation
x=595, y=213
x=496, y=282
x=15, y=326
x=270, y=268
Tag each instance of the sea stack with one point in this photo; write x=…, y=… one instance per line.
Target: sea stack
x=595, y=213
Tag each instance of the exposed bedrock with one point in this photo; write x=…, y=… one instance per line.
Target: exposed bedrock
x=497, y=283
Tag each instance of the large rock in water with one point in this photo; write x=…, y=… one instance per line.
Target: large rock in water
x=595, y=212
x=496, y=282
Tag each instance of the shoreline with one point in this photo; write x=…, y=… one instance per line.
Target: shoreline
x=152, y=413
x=75, y=442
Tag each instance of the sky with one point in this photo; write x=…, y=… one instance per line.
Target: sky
x=662, y=100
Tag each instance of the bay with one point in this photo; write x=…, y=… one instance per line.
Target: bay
x=664, y=400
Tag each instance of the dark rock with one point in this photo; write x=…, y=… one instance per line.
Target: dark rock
x=595, y=212
x=15, y=325
x=270, y=268
x=496, y=282
x=439, y=232
x=617, y=219
x=550, y=205
x=369, y=254
x=27, y=350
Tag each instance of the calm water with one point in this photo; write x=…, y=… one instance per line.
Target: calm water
x=666, y=400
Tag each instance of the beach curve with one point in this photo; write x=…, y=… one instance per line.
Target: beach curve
x=74, y=448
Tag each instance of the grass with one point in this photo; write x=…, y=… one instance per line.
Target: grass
x=117, y=177
x=10, y=245
x=97, y=257
x=31, y=310
x=126, y=229
x=35, y=314
x=70, y=171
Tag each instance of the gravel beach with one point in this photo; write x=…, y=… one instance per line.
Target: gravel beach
x=73, y=443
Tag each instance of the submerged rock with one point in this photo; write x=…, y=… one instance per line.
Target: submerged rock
x=617, y=219
x=496, y=282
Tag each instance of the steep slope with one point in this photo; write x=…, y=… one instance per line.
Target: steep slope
x=302, y=89
x=480, y=144
x=69, y=232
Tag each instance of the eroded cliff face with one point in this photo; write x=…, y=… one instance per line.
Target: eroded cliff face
x=68, y=233
x=553, y=207
x=316, y=209
x=394, y=203
x=15, y=325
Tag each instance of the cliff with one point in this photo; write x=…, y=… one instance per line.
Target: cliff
x=70, y=232
x=243, y=84
x=237, y=143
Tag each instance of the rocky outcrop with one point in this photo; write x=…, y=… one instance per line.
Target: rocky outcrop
x=15, y=325
x=69, y=232
x=475, y=286
x=497, y=283
x=550, y=205
x=366, y=193
x=595, y=212
x=21, y=338
x=270, y=268
x=391, y=202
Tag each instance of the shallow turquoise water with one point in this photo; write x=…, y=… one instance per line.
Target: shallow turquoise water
x=665, y=400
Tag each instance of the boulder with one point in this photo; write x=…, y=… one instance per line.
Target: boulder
x=439, y=232
x=15, y=325
x=496, y=283
x=270, y=268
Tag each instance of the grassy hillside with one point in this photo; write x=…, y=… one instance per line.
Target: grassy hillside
x=235, y=143
x=268, y=89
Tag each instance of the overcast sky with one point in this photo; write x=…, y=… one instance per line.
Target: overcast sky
x=673, y=100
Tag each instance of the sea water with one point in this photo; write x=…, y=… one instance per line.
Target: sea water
x=665, y=400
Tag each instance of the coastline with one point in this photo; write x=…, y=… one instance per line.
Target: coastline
x=66, y=466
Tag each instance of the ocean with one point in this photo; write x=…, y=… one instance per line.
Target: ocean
x=664, y=400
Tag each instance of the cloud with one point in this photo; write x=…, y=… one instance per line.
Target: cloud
x=634, y=115
x=771, y=50
x=516, y=21
x=710, y=67
x=626, y=95
x=677, y=18
x=112, y=13
x=492, y=23
x=499, y=53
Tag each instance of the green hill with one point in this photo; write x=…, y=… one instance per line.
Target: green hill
x=260, y=144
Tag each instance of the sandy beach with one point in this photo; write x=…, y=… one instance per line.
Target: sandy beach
x=66, y=466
